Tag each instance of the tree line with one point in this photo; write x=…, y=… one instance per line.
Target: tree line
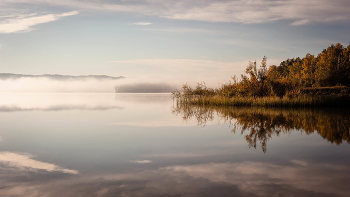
x=310, y=74
x=329, y=68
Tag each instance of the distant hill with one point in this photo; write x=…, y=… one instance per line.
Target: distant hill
x=6, y=76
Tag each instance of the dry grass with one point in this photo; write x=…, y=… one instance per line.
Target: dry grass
x=300, y=101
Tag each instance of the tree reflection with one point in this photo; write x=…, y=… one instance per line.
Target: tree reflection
x=262, y=123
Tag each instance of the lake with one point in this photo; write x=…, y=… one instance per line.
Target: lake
x=147, y=145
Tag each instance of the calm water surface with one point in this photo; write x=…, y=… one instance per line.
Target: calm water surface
x=146, y=145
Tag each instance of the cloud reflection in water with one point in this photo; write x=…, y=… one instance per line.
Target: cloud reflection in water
x=25, y=162
x=211, y=179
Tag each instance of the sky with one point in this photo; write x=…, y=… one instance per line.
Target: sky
x=173, y=41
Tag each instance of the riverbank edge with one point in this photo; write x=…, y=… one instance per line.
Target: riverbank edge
x=300, y=101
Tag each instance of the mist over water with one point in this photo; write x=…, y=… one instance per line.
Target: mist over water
x=145, y=88
x=44, y=85
x=12, y=76
x=81, y=84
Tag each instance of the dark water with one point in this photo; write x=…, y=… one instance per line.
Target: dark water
x=145, y=145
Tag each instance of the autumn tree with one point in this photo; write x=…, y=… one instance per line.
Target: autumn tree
x=328, y=65
x=308, y=70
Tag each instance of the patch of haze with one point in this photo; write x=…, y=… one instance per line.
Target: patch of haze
x=185, y=71
x=46, y=85
x=12, y=76
x=145, y=88
x=154, y=84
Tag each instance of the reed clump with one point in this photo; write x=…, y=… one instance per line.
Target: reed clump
x=300, y=101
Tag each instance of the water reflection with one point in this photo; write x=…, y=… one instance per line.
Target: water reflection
x=145, y=150
x=57, y=108
x=24, y=162
x=262, y=123
x=297, y=178
x=155, y=98
x=56, y=102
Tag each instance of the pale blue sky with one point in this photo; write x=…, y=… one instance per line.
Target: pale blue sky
x=183, y=40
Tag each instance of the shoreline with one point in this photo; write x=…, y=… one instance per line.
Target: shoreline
x=299, y=101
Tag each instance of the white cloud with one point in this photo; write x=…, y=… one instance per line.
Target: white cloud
x=25, y=162
x=298, y=12
x=142, y=23
x=24, y=23
x=186, y=30
x=141, y=161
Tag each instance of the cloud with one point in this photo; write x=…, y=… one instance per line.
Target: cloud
x=141, y=161
x=57, y=83
x=186, y=30
x=24, y=23
x=25, y=162
x=298, y=12
x=142, y=23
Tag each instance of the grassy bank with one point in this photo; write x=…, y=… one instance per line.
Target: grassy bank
x=300, y=101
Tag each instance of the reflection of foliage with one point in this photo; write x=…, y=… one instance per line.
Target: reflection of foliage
x=202, y=114
x=262, y=123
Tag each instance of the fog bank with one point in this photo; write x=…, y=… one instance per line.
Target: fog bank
x=12, y=76
x=18, y=83
x=145, y=88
